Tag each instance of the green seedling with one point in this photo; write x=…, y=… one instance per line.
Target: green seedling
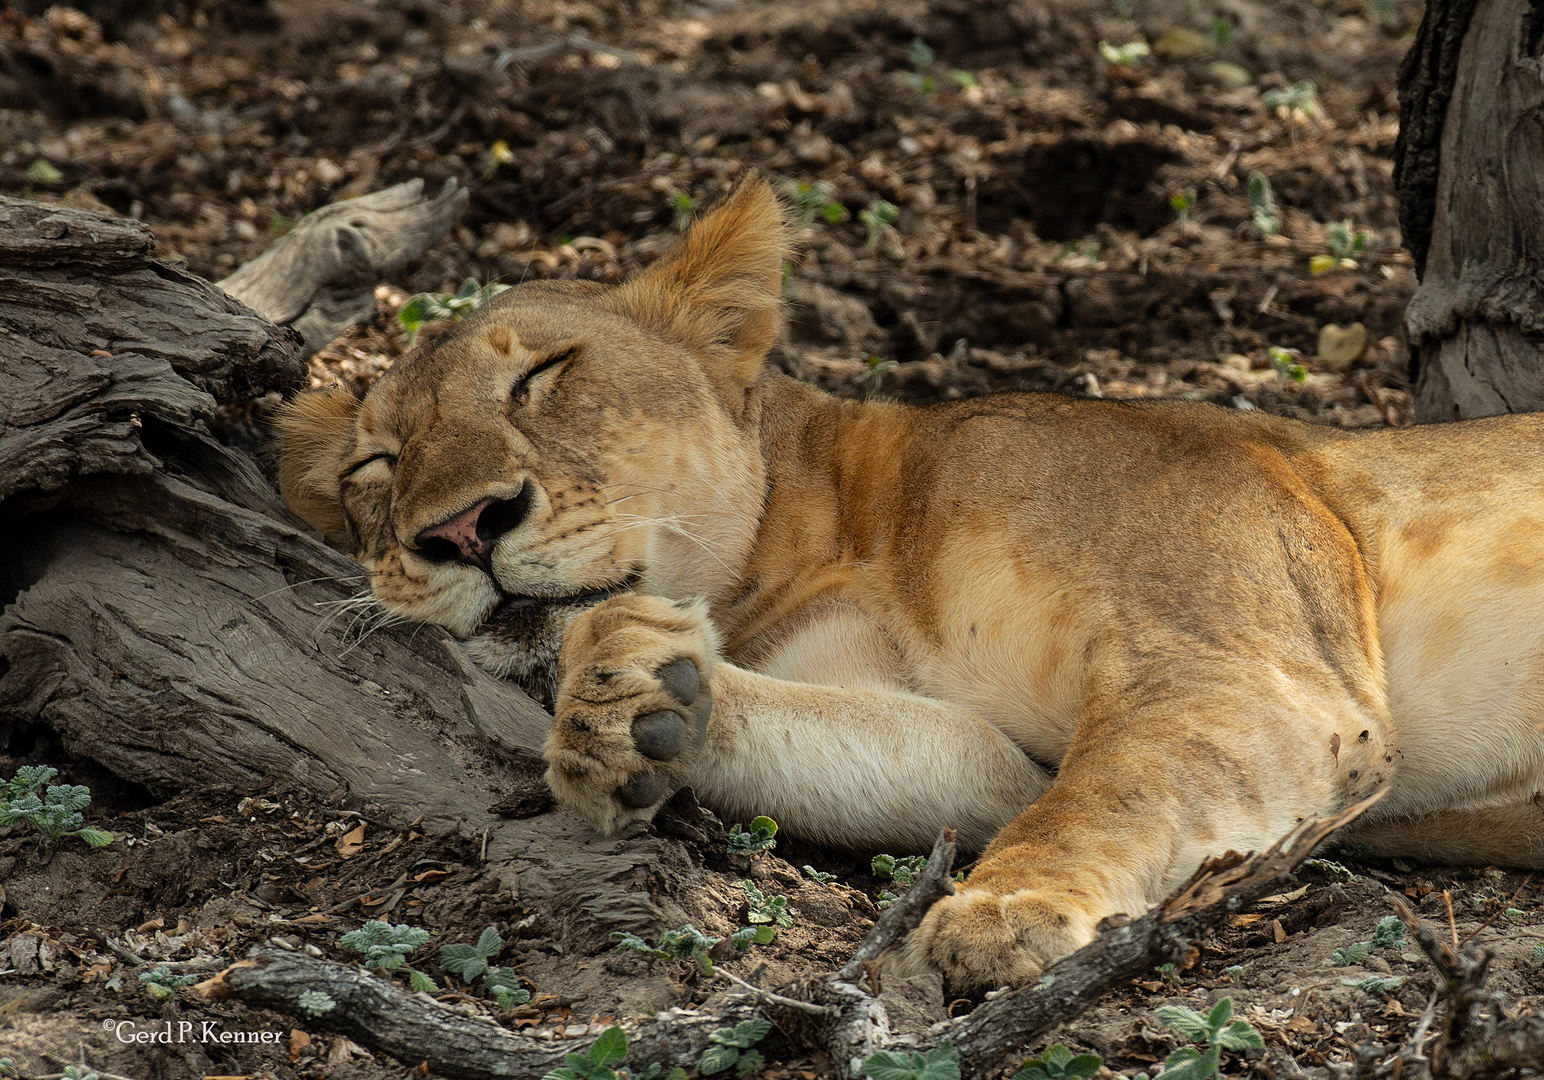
x=873, y=375
x=964, y=78
x=1538, y=951
x=602, y=1062
x=431, y=307
x=1168, y=973
x=56, y=812
x=43, y=171
x=1217, y=1030
x=1220, y=32
x=1182, y=202
x=818, y=876
x=75, y=1072
x=7, y=1067
x=1376, y=986
x=876, y=218
x=814, y=200
x=1291, y=101
x=683, y=944
x=1515, y=914
x=386, y=948
x=731, y=1047
x=1236, y=972
x=1389, y=934
x=472, y=961
x=886, y=899
x=940, y=1063
x=162, y=983
x=920, y=56
x=1126, y=55
x=1286, y=367
x=902, y=871
x=753, y=840
x=764, y=908
x=1262, y=205
x=1059, y=1063
x=743, y=938
x=683, y=205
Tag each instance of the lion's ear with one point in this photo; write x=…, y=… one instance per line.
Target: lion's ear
x=718, y=288
x=316, y=430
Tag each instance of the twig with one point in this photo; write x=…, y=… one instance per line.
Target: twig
x=1447, y=898
x=902, y=917
x=552, y=48
x=766, y=997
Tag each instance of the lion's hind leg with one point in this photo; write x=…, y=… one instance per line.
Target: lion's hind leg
x=1499, y=836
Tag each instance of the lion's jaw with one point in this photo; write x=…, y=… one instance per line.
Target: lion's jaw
x=613, y=429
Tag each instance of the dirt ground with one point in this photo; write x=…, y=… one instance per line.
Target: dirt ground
x=1061, y=222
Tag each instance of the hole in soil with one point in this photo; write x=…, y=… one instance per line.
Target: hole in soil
x=25, y=556
x=1066, y=189
x=39, y=744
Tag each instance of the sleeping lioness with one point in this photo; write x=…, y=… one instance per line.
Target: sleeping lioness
x=1101, y=640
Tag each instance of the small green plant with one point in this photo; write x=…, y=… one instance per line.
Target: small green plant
x=743, y=938
x=732, y=1047
x=602, y=1062
x=1220, y=32
x=964, y=79
x=683, y=205
x=1235, y=972
x=818, y=876
x=1124, y=56
x=431, y=307
x=278, y=224
x=873, y=375
x=753, y=840
x=764, y=908
x=1262, y=205
x=886, y=899
x=75, y=1072
x=7, y=1067
x=1182, y=202
x=471, y=961
x=1342, y=242
x=1299, y=99
x=386, y=948
x=1376, y=986
x=1390, y=933
x=1169, y=974
x=43, y=171
x=1059, y=1063
x=162, y=983
x=1287, y=368
x=683, y=944
x=315, y=1002
x=814, y=200
x=902, y=871
x=876, y=218
x=920, y=56
x=56, y=813
x=940, y=1063
x=1217, y=1030
x=1538, y=951
x=1515, y=914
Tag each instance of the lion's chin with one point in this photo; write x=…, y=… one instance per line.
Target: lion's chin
x=520, y=638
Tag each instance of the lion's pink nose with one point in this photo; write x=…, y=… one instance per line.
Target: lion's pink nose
x=471, y=535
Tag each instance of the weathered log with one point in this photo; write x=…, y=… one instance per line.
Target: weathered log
x=320, y=277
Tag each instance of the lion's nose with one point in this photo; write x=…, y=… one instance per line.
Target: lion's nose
x=471, y=535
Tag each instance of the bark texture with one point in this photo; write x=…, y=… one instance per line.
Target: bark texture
x=1470, y=171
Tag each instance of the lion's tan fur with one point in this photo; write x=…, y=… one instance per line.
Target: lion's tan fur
x=1207, y=624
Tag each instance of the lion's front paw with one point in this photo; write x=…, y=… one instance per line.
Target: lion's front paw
x=633, y=704
x=979, y=939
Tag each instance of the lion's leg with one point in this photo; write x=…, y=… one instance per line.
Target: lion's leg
x=1505, y=836
x=646, y=707
x=1187, y=762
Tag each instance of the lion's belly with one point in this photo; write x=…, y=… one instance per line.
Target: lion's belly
x=1461, y=619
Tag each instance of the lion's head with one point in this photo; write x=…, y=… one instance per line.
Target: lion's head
x=567, y=441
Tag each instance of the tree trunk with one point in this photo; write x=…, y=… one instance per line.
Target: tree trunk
x=1469, y=166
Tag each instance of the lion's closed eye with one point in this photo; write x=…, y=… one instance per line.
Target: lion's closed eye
x=520, y=392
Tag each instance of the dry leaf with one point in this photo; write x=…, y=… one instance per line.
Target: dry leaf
x=1277, y=932
x=1342, y=346
x=428, y=874
x=1284, y=897
x=350, y=842
x=298, y=1041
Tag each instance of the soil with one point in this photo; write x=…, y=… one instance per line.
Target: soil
x=1035, y=244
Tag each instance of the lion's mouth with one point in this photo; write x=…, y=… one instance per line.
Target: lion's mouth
x=519, y=610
